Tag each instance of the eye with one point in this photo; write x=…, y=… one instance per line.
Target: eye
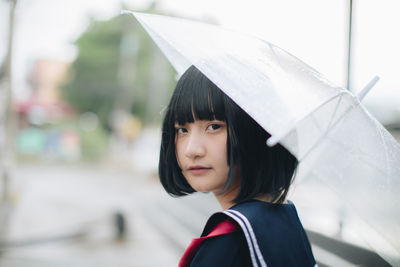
x=181, y=130
x=214, y=127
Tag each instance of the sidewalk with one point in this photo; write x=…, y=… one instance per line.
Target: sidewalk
x=60, y=202
x=5, y=214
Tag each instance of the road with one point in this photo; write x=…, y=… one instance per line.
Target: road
x=55, y=203
x=63, y=216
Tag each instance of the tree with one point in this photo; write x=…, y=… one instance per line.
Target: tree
x=112, y=70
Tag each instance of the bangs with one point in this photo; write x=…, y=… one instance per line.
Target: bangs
x=197, y=98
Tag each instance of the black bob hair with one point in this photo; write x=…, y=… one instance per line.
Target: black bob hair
x=262, y=169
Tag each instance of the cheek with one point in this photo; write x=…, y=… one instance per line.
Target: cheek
x=178, y=152
x=220, y=151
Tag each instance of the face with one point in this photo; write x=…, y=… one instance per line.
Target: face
x=201, y=151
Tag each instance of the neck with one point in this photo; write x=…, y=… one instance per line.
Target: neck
x=225, y=199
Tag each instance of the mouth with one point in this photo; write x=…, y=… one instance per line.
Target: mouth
x=198, y=170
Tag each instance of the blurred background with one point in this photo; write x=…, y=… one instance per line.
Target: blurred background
x=82, y=93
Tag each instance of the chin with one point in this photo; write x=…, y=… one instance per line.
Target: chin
x=206, y=189
x=202, y=188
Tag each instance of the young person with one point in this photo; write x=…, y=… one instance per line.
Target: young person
x=209, y=144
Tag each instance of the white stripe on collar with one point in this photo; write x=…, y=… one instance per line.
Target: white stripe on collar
x=252, y=236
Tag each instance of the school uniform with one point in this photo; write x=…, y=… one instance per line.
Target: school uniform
x=252, y=233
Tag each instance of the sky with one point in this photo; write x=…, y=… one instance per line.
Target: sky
x=313, y=30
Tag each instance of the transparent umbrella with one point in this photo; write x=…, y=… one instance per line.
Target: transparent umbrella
x=326, y=127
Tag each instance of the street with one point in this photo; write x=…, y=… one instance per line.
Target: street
x=63, y=216
x=57, y=201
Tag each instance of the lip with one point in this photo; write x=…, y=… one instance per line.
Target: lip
x=198, y=170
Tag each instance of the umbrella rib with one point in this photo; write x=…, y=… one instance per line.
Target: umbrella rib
x=334, y=113
x=363, y=159
x=332, y=125
x=320, y=127
x=274, y=139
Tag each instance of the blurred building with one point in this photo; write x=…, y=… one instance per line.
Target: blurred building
x=46, y=76
x=40, y=116
x=45, y=102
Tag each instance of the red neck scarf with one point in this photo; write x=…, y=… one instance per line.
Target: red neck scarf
x=223, y=228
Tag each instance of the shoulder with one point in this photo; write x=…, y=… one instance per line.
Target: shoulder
x=273, y=233
x=254, y=207
x=224, y=250
x=265, y=215
x=276, y=231
x=267, y=221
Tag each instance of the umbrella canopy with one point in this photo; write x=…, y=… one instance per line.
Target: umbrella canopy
x=336, y=140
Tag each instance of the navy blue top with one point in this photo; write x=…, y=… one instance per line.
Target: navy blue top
x=280, y=236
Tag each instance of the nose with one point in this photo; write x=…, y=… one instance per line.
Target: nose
x=195, y=146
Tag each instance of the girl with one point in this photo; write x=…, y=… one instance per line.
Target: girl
x=209, y=144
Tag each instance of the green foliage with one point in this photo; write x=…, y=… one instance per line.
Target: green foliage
x=113, y=70
x=94, y=84
x=94, y=144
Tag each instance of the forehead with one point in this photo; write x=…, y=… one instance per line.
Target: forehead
x=196, y=98
x=197, y=101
